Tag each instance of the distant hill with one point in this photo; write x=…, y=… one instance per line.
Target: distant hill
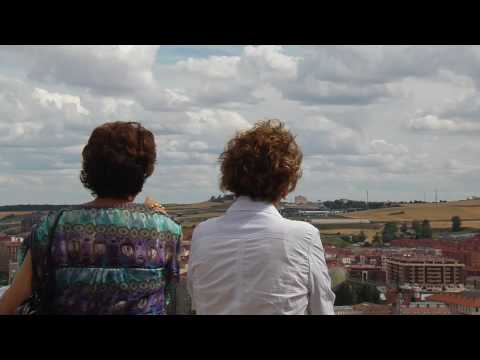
x=439, y=214
x=30, y=208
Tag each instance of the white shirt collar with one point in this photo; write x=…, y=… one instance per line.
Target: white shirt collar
x=244, y=203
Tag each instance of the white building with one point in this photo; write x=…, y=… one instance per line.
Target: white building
x=300, y=200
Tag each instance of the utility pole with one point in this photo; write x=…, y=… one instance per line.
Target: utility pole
x=367, y=199
x=425, y=196
x=436, y=195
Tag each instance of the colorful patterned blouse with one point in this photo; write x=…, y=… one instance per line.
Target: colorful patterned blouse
x=122, y=260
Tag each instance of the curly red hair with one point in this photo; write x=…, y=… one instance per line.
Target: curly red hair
x=263, y=163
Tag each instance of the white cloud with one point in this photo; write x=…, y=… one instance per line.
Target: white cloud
x=214, y=122
x=60, y=101
x=269, y=62
x=233, y=80
x=7, y=180
x=123, y=71
x=317, y=91
x=383, y=147
x=434, y=123
x=321, y=135
x=198, y=145
x=113, y=105
x=353, y=109
x=222, y=67
x=106, y=69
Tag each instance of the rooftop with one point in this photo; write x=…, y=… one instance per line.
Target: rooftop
x=423, y=258
x=373, y=309
x=466, y=298
x=424, y=311
x=364, y=267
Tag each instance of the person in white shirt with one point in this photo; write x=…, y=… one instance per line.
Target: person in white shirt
x=251, y=260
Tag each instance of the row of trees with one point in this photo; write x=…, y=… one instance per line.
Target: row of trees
x=349, y=293
x=422, y=230
x=456, y=224
x=31, y=207
x=221, y=198
x=355, y=204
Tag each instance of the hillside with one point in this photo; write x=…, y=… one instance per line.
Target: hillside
x=439, y=214
x=4, y=214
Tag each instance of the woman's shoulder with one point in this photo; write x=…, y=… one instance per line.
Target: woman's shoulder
x=47, y=220
x=160, y=218
x=132, y=215
x=167, y=221
x=300, y=228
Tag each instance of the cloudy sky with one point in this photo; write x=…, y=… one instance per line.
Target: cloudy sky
x=399, y=121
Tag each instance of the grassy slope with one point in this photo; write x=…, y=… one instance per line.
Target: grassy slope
x=8, y=213
x=439, y=214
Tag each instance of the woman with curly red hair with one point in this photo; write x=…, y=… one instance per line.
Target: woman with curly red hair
x=252, y=260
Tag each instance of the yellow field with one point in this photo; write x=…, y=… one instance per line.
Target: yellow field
x=370, y=233
x=439, y=214
x=202, y=205
x=8, y=213
x=199, y=206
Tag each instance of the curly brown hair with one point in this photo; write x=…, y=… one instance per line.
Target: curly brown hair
x=117, y=159
x=263, y=163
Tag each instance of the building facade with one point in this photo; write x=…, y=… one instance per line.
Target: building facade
x=473, y=282
x=425, y=271
x=4, y=257
x=368, y=273
x=300, y=200
x=466, y=251
x=8, y=257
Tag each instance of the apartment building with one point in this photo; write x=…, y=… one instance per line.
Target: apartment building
x=425, y=271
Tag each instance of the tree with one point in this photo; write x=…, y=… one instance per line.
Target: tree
x=418, y=228
x=404, y=228
x=389, y=232
x=426, y=230
x=365, y=293
x=344, y=295
x=362, y=237
x=369, y=293
x=456, y=224
x=377, y=239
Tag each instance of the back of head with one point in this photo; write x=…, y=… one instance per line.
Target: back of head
x=117, y=159
x=263, y=163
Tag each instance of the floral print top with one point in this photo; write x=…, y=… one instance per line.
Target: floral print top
x=122, y=260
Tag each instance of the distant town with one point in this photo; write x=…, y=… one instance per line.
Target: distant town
x=384, y=258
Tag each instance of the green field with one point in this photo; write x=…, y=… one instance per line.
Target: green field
x=335, y=241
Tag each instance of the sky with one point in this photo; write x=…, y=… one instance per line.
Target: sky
x=398, y=121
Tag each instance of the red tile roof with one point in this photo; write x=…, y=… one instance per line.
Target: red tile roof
x=424, y=311
x=365, y=267
x=464, y=299
x=373, y=309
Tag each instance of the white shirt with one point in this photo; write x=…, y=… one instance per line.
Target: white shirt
x=3, y=290
x=253, y=261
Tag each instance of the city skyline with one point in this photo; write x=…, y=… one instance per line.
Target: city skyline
x=398, y=121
